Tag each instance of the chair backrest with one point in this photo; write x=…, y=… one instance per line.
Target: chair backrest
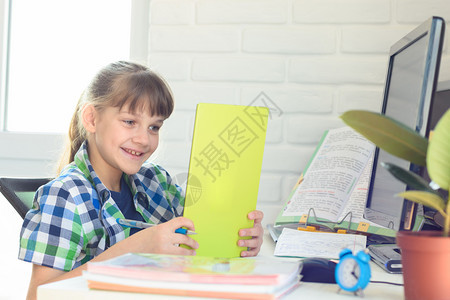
x=20, y=191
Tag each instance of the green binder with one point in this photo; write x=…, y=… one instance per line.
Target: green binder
x=224, y=173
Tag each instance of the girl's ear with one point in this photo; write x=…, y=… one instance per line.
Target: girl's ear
x=88, y=117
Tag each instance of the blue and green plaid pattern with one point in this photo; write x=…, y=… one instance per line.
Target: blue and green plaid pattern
x=73, y=218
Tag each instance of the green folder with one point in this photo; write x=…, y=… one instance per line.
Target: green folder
x=224, y=172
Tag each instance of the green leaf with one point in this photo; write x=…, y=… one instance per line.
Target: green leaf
x=425, y=198
x=438, y=159
x=388, y=134
x=414, y=181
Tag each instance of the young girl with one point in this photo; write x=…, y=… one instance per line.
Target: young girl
x=74, y=218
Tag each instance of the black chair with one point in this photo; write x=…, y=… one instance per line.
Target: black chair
x=20, y=192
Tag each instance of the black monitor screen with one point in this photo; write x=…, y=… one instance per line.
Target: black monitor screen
x=410, y=85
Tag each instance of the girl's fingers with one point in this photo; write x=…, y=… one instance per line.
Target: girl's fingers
x=181, y=222
x=183, y=251
x=256, y=215
x=253, y=246
x=183, y=239
x=250, y=243
x=255, y=231
x=250, y=252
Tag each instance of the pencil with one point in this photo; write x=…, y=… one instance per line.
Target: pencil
x=140, y=224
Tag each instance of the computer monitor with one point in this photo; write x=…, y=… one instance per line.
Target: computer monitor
x=408, y=97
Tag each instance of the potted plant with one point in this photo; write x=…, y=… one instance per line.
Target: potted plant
x=425, y=254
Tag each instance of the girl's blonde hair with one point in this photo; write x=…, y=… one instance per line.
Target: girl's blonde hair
x=115, y=85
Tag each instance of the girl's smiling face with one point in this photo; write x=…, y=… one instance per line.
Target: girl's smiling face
x=120, y=141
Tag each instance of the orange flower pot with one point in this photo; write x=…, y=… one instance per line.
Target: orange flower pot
x=426, y=264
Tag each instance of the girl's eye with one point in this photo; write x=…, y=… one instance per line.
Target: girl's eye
x=154, y=129
x=129, y=122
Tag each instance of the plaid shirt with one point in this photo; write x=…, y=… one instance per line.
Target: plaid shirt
x=73, y=218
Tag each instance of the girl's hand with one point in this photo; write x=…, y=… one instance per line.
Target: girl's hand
x=163, y=239
x=256, y=233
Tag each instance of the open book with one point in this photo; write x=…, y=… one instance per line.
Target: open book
x=198, y=276
x=332, y=191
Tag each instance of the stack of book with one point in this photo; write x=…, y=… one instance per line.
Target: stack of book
x=195, y=276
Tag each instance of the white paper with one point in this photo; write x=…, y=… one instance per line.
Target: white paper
x=300, y=243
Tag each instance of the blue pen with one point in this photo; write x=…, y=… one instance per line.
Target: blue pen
x=139, y=224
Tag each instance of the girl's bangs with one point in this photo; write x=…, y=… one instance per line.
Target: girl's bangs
x=142, y=91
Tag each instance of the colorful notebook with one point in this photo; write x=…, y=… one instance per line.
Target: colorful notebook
x=224, y=172
x=196, y=276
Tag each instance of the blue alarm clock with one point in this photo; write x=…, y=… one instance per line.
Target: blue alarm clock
x=353, y=271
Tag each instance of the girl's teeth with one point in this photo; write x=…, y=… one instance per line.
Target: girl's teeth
x=134, y=152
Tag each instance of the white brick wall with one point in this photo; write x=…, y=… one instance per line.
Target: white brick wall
x=314, y=59
x=412, y=11
x=289, y=40
x=242, y=11
x=338, y=70
x=342, y=11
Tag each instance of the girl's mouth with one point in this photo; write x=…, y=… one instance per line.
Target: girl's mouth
x=132, y=152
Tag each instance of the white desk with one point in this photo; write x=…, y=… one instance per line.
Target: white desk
x=76, y=288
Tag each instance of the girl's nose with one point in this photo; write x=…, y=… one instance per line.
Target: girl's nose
x=141, y=136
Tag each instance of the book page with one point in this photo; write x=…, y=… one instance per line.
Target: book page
x=356, y=204
x=332, y=175
x=300, y=243
x=357, y=201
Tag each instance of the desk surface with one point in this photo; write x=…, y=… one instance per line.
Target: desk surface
x=76, y=288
